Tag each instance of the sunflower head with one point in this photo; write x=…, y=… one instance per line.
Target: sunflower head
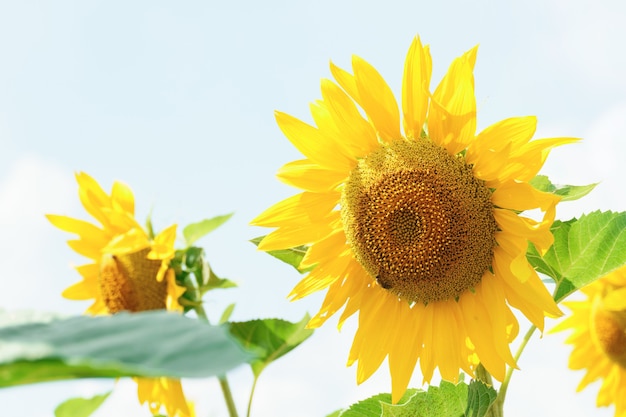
x=598, y=335
x=129, y=270
x=414, y=220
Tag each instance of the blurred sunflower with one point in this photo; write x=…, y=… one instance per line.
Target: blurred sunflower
x=598, y=324
x=419, y=229
x=129, y=272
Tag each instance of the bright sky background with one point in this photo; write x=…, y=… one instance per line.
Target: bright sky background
x=177, y=98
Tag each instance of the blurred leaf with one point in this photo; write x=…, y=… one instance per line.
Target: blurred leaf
x=228, y=311
x=584, y=250
x=479, y=398
x=335, y=414
x=150, y=344
x=566, y=192
x=269, y=339
x=292, y=256
x=195, y=231
x=80, y=407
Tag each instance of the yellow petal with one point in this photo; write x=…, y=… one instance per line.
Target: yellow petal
x=522, y=196
x=303, y=208
x=415, y=88
x=377, y=100
x=354, y=132
x=313, y=143
x=122, y=198
x=310, y=176
x=452, y=113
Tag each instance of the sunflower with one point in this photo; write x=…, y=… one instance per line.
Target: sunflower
x=129, y=272
x=418, y=229
x=599, y=338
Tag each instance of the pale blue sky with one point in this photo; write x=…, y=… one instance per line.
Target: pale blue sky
x=177, y=98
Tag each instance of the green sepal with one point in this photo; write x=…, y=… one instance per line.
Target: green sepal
x=291, y=256
x=566, y=192
x=194, y=231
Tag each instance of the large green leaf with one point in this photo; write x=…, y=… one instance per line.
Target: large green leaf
x=47, y=348
x=292, y=256
x=195, y=231
x=446, y=400
x=269, y=339
x=584, y=250
x=566, y=192
x=80, y=407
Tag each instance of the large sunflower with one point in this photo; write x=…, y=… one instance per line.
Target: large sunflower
x=599, y=338
x=129, y=272
x=419, y=229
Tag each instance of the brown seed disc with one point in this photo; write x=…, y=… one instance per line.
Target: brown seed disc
x=128, y=283
x=418, y=221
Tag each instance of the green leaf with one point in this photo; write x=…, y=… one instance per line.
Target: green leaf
x=566, y=192
x=584, y=250
x=292, y=256
x=335, y=413
x=269, y=339
x=228, y=311
x=195, y=231
x=479, y=399
x=447, y=400
x=80, y=407
x=156, y=343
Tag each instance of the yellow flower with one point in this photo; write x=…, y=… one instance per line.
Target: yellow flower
x=419, y=229
x=599, y=338
x=128, y=272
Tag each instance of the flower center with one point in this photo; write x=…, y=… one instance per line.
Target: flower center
x=419, y=221
x=609, y=332
x=128, y=283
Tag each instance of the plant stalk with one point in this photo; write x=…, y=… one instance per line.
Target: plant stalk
x=228, y=396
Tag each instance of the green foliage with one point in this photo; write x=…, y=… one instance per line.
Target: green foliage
x=228, y=311
x=479, y=398
x=566, y=192
x=269, y=339
x=447, y=400
x=80, y=407
x=292, y=256
x=156, y=343
x=195, y=274
x=584, y=250
x=195, y=231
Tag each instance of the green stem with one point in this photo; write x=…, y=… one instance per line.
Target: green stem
x=499, y=402
x=256, y=378
x=228, y=396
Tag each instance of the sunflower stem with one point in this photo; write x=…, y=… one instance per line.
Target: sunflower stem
x=256, y=378
x=228, y=396
x=499, y=402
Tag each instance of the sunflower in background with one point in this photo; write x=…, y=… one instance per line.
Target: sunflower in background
x=130, y=272
x=598, y=326
x=418, y=229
